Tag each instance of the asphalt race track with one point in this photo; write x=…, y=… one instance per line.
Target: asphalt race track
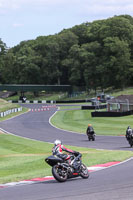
x=108, y=184
x=115, y=183
x=35, y=125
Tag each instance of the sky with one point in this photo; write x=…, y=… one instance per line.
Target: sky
x=22, y=20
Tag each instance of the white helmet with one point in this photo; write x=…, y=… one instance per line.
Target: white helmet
x=56, y=142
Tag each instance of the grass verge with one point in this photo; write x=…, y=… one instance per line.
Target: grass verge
x=14, y=114
x=22, y=159
x=4, y=106
x=77, y=121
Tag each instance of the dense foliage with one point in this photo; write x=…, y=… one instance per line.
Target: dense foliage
x=97, y=54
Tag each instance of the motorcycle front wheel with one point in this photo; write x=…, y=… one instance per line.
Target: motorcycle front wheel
x=84, y=173
x=59, y=173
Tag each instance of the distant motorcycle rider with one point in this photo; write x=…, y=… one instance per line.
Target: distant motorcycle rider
x=129, y=133
x=59, y=148
x=90, y=129
x=90, y=132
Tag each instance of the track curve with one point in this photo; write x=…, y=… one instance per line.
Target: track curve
x=35, y=125
x=112, y=183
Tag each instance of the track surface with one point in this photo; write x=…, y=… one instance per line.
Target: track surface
x=35, y=125
x=112, y=183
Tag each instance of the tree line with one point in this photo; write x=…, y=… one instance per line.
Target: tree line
x=92, y=55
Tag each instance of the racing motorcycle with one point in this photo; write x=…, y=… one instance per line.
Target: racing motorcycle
x=129, y=136
x=91, y=136
x=130, y=140
x=90, y=133
x=63, y=170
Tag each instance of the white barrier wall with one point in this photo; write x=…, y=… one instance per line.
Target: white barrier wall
x=7, y=112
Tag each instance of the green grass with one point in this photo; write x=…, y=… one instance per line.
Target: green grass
x=126, y=91
x=4, y=106
x=14, y=114
x=77, y=121
x=22, y=159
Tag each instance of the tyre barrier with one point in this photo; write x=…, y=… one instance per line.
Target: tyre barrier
x=74, y=101
x=10, y=111
x=94, y=107
x=111, y=114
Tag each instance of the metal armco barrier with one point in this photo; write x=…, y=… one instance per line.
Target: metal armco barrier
x=8, y=112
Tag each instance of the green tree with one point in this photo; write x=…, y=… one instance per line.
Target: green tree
x=90, y=54
x=117, y=61
x=3, y=51
x=66, y=39
x=82, y=32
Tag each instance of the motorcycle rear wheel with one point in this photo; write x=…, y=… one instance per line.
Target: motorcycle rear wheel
x=59, y=173
x=93, y=139
x=84, y=173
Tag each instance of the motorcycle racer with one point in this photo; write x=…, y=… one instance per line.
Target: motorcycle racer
x=58, y=151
